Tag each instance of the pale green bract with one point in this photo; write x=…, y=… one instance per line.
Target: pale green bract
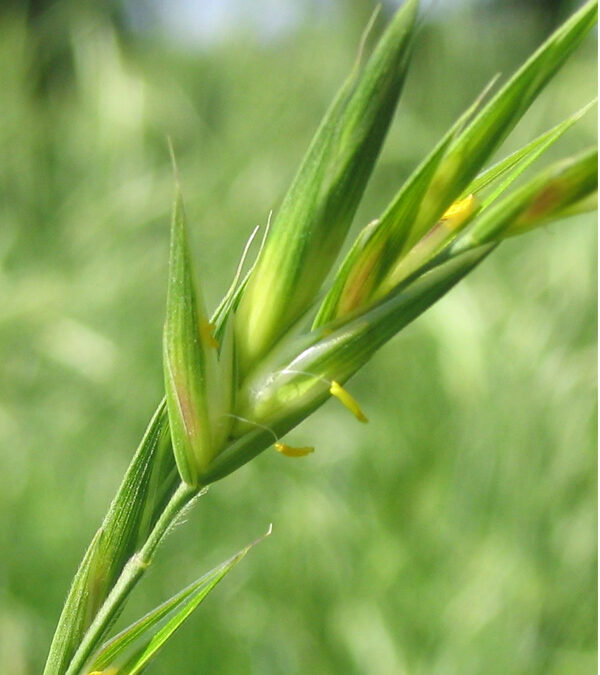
x=273, y=352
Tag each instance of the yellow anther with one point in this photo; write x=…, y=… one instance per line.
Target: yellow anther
x=349, y=401
x=460, y=211
x=289, y=451
x=206, y=334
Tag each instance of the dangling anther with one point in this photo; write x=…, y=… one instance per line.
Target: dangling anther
x=287, y=450
x=349, y=401
x=290, y=451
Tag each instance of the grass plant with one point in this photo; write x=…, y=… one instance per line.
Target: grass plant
x=294, y=327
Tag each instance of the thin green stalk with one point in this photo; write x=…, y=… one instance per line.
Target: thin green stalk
x=131, y=574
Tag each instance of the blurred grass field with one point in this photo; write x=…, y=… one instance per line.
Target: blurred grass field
x=454, y=534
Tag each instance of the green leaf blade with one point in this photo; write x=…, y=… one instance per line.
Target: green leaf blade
x=176, y=611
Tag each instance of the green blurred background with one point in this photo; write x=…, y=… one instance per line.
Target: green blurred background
x=454, y=534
